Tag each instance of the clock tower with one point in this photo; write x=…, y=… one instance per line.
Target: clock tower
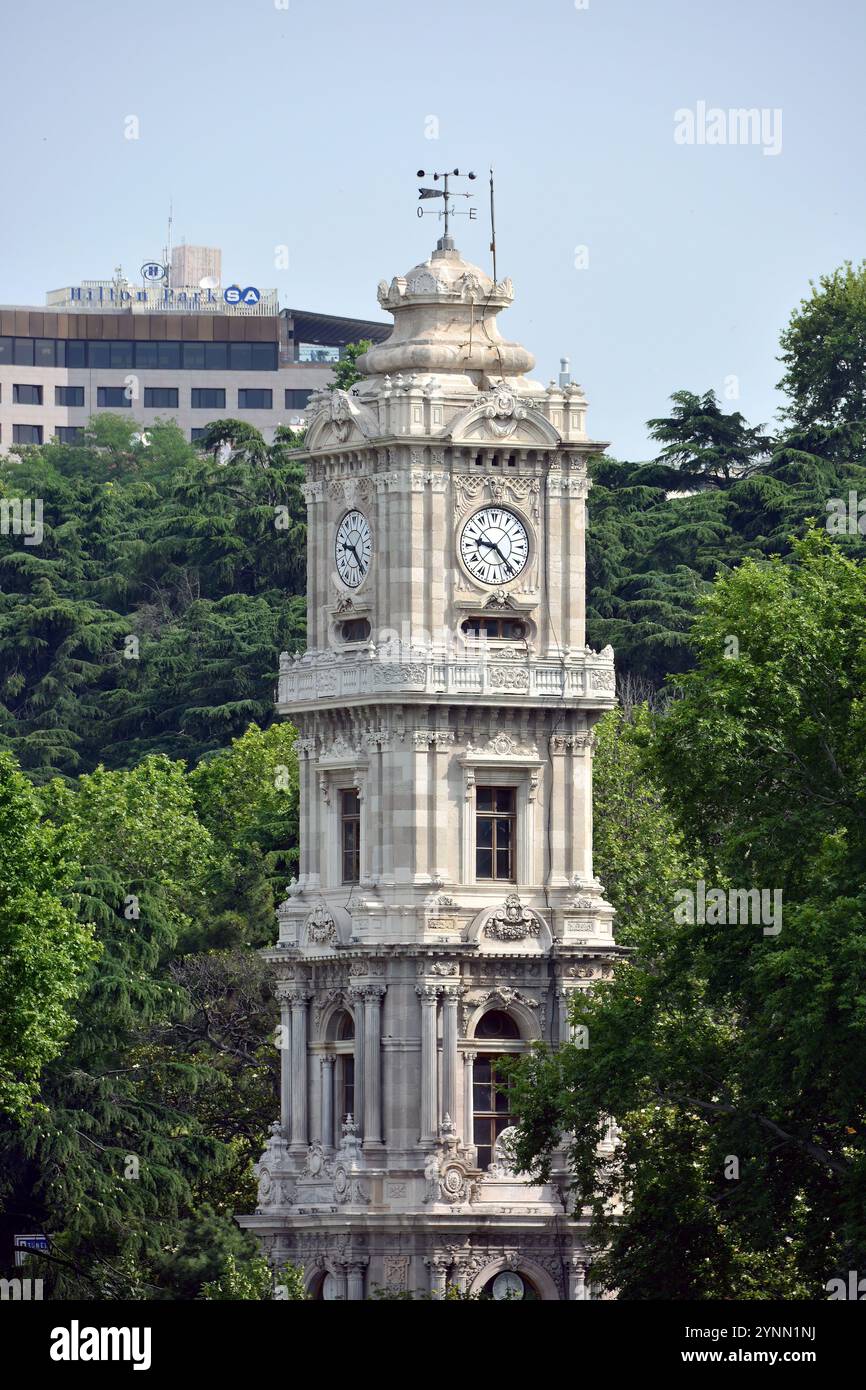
x=446, y=907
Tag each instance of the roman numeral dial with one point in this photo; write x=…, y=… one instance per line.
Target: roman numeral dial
x=494, y=545
x=353, y=549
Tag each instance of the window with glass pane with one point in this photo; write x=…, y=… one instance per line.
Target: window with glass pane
x=216, y=356
x=490, y=1113
x=69, y=395
x=5, y=349
x=69, y=434
x=22, y=352
x=76, y=352
x=347, y=1091
x=193, y=356
x=146, y=354
x=495, y=827
x=25, y=394
x=120, y=353
x=99, y=354
x=208, y=397
x=350, y=837
x=168, y=355
x=160, y=397
x=43, y=352
x=114, y=397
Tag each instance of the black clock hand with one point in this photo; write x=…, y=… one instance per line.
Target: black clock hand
x=491, y=545
x=354, y=552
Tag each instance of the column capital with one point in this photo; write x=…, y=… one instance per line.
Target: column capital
x=469, y=1055
x=299, y=997
x=428, y=994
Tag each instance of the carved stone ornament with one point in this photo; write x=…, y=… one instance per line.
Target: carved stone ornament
x=513, y=922
x=503, y=412
x=503, y=1165
x=321, y=927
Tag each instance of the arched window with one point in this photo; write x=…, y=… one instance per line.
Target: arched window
x=491, y=1112
x=342, y=1030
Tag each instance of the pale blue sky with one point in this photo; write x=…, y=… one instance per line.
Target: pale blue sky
x=305, y=126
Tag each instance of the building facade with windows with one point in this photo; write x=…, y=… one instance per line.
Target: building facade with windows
x=446, y=907
x=57, y=368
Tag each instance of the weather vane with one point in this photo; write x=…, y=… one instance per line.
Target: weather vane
x=444, y=193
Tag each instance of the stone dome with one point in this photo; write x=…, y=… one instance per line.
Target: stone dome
x=445, y=322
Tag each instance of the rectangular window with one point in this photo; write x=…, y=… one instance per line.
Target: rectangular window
x=241, y=357
x=193, y=357
x=26, y=434
x=312, y=352
x=208, y=398
x=255, y=398
x=195, y=434
x=70, y=434
x=5, y=350
x=347, y=1088
x=22, y=352
x=350, y=835
x=489, y=1108
x=76, y=353
x=216, y=356
x=264, y=357
x=160, y=397
x=168, y=355
x=297, y=400
x=146, y=355
x=113, y=396
x=495, y=832
x=43, y=352
x=120, y=354
x=98, y=354
x=69, y=395
x=26, y=395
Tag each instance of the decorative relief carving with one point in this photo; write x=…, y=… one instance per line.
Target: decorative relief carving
x=321, y=927
x=504, y=677
x=513, y=922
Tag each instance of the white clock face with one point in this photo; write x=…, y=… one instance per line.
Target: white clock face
x=353, y=549
x=494, y=545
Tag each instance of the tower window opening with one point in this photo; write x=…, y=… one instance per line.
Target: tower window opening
x=478, y=460
x=350, y=834
x=503, y=629
x=495, y=832
x=355, y=630
x=490, y=1108
x=512, y=460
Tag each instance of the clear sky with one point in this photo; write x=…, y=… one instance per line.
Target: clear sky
x=302, y=123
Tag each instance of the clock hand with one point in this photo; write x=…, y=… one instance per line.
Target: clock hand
x=491, y=545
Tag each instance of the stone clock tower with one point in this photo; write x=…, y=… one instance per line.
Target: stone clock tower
x=446, y=906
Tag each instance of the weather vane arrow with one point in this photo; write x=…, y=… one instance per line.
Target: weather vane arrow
x=445, y=194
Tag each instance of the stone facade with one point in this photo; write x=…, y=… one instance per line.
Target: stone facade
x=395, y=701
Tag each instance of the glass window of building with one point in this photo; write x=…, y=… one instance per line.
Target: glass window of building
x=113, y=396
x=208, y=398
x=25, y=394
x=70, y=434
x=26, y=434
x=297, y=400
x=69, y=395
x=160, y=397
x=350, y=834
x=495, y=830
x=43, y=352
x=255, y=398
x=22, y=352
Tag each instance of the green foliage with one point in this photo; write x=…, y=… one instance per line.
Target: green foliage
x=824, y=353
x=44, y=949
x=346, y=370
x=722, y=1042
x=152, y=615
x=257, y=1281
x=702, y=441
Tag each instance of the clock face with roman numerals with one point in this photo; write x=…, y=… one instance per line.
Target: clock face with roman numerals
x=353, y=548
x=494, y=545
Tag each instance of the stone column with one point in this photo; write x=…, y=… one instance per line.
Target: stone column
x=327, y=1097
x=563, y=1003
x=283, y=994
x=429, y=1098
x=450, y=997
x=577, y=1288
x=337, y=1271
x=355, y=1280
x=299, y=1130
x=468, y=1099
x=356, y=997
x=373, y=1065
x=438, y=1266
